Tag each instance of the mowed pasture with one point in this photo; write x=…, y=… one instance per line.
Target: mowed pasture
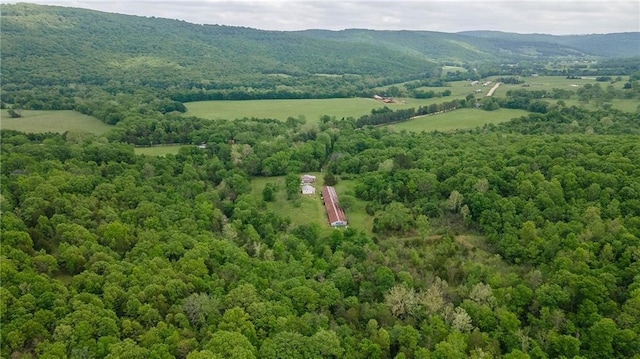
x=458, y=119
x=53, y=121
x=311, y=109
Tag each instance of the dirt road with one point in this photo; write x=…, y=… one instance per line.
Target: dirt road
x=493, y=89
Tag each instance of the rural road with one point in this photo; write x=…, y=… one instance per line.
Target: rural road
x=493, y=89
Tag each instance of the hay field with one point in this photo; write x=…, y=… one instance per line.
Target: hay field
x=53, y=121
x=458, y=119
x=311, y=109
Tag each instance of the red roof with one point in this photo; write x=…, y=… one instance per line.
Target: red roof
x=334, y=212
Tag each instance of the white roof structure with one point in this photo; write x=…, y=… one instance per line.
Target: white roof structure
x=307, y=178
x=308, y=189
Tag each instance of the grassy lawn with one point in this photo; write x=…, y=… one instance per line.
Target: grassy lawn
x=157, y=151
x=311, y=109
x=462, y=118
x=53, y=121
x=356, y=216
x=625, y=105
x=306, y=209
x=310, y=208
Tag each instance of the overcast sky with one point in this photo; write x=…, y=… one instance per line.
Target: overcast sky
x=557, y=17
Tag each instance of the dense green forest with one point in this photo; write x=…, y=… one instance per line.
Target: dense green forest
x=109, y=254
x=514, y=240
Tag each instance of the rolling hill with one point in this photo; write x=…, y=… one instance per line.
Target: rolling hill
x=52, y=45
x=626, y=44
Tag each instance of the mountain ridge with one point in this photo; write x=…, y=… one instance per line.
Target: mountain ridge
x=61, y=45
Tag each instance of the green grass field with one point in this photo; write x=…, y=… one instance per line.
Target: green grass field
x=312, y=109
x=447, y=69
x=548, y=83
x=157, y=151
x=357, y=216
x=459, y=89
x=53, y=121
x=304, y=210
x=618, y=104
x=462, y=118
x=310, y=208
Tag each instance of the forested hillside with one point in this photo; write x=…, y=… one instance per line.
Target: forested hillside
x=606, y=45
x=48, y=45
x=83, y=46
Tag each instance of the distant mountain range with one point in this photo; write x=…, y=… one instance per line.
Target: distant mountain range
x=625, y=44
x=50, y=45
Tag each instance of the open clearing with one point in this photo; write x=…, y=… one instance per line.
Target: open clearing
x=53, y=121
x=304, y=210
x=310, y=208
x=157, y=151
x=458, y=119
x=459, y=89
x=453, y=69
x=548, y=83
x=311, y=109
x=629, y=105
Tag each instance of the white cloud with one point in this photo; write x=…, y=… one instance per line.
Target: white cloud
x=541, y=16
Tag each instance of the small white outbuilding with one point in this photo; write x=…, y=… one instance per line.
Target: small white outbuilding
x=308, y=189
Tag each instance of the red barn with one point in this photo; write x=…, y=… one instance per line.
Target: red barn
x=334, y=212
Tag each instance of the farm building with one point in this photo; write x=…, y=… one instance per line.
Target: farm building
x=307, y=179
x=308, y=189
x=334, y=212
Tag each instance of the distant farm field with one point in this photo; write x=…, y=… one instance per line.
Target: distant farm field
x=157, y=151
x=459, y=89
x=458, y=119
x=53, y=121
x=453, y=69
x=311, y=109
x=548, y=83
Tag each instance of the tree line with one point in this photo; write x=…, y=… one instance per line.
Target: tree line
x=385, y=115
